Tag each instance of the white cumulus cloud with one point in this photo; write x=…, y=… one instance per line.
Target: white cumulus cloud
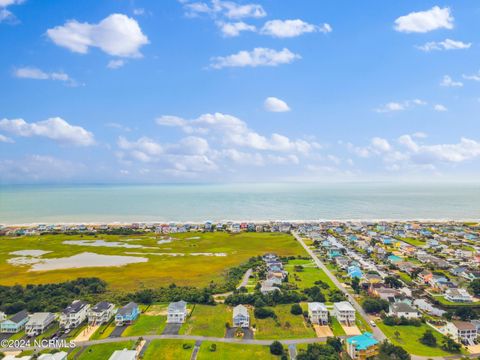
x=440, y=107
x=232, y=29
x=116, y=35
x=228, y=9
x=53, y=128
x=447, y=81
x=254, y=58
x=425, y=21
x=292, y=28
x=395, y=106
x=37, y=74
x=447, y=44
x=274, y=104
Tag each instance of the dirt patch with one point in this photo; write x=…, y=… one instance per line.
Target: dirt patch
x=322, y=330
x=474, y=349
x=87, y=333
x=351, y=330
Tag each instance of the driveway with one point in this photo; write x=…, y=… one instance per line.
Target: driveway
x=118, y=331
x=171, y=329
x=247, y=333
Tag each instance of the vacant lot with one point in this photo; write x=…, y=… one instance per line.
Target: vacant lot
x=168, y=349
x=408, y=339
x=192, y=259
x=234, y=351
x=102, y=351
x=286, y=326
x=208, y=320
x=308, y=275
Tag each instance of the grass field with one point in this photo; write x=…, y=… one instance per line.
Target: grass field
x=288, y=326
x=337, y=329
x=308, y=276
x=146, y=325
x=168, y=349
x=413, y=241
x=226, y=351
x=101, y=351
x=103, y=331
x=409, y=336
x=193, y=270
x=207, y=320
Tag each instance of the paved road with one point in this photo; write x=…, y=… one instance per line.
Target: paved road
x=246, y=276
x=292, y=350
x=196, y=349
x=379, y=335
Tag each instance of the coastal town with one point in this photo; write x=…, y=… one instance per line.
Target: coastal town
x=358, y=290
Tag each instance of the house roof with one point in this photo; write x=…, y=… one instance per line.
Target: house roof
x=56, y=356
x=19, y=317
x=363, y=342
x=177, y=306
x=402, y=307
x=344, y=306
x=240, y=310
x=127, y=309
x=40, y=317
x=123, y=355
x=316, y=306
x=464, y=325
x=101, y=306
x=75, y=307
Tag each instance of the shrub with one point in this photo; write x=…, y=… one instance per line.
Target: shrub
x=276, y=348
x=296, y=309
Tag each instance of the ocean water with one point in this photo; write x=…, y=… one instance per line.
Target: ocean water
x=197, y=203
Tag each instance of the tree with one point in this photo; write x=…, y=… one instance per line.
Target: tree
x=335, y=343
x=388, y=351
x=296, y=309
x=475, y=287
x=374, y=306
x=356, y=285
x=276, y=348
x=428, y=339
x=262, y=313
x=397, y=334
x=448, y=344
x=393, y=282
x=465, y=313
x=319, y=352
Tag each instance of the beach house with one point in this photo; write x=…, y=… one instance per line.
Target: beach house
x=101, y=313
x=462, y=331
x=344, y=312
x=241, y=318
x=317, y=313
x=38, y=323
x=458, y=295
x=61, y=355
x=74, y=314
x=127, y=314
x=401, y=309
x=124, y=354
x=362, y=347
x=15, y=323
x=177, y=312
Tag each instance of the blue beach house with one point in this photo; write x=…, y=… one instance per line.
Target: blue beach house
x=355, y=272
x=363, y=346
x=127, y=314
x=15, y=323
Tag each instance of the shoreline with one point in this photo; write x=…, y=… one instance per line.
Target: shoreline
x=224, y=221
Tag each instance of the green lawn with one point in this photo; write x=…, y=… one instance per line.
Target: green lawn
x=103, y=331
x=308, y=276
x=146, y=325
x=159, y=270
x=337, y=329
x=226, y=351
x=287, y=326
x=412, y=241
x=103, y=351
x=168, y=349
x=52, y=329
x=208, y=320
x=409, y=336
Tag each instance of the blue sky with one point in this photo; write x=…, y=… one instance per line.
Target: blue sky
x=202, y=91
